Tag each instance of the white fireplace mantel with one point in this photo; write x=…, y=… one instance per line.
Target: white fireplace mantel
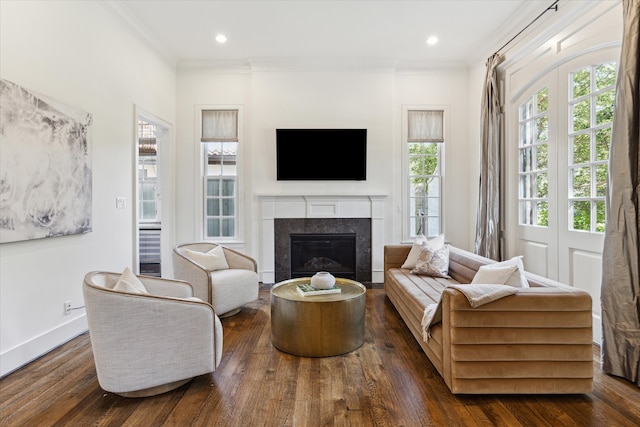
x=320, y=206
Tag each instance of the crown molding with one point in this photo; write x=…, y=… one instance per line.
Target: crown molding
x=119, y=9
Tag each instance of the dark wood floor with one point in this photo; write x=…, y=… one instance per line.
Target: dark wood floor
x=386, y=382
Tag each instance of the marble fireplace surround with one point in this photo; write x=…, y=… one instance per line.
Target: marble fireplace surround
x=320, y=206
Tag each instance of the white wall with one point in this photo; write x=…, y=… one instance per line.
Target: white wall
x=80, y=54
x=290, y=97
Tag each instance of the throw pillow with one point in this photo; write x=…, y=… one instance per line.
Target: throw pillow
x=489, y=275
x=433, y=262
x=212, y=260
x=517, y=278
x=414, y=253
x=129, y=282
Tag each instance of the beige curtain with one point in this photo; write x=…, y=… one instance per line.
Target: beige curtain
x=621, y=255
x=426, y=126
x=488, y=213
x=219, y=125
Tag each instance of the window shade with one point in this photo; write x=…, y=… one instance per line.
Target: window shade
x=426, y=126
x=219, y=125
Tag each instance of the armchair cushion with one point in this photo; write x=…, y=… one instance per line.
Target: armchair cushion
x=211, y=260
x=128, y=282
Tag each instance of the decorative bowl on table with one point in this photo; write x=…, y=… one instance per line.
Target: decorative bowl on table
x=323, y=280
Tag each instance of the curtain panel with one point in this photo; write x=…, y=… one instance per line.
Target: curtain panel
x=487, y=241
x=219, y=125
x=620, y=296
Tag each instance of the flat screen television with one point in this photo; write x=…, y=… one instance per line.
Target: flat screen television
x=321, y=154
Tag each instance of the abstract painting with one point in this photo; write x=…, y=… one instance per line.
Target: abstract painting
x=45, y=166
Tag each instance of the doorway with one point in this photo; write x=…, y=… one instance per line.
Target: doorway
x=152, y=222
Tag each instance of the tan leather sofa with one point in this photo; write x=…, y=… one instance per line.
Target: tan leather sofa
x=537, y=341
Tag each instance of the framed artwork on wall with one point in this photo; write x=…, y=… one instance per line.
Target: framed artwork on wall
x=45, y=166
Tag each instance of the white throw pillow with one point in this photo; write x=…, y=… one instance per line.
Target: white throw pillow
x=212, y=260
x=435, y=243
x=433, y=262
x=517, y=278
x=129, y=282
x=489, y=275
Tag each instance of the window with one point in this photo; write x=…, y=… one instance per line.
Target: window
x=148, y=201
x=424, y=139
x=219, y=138
x=591, y=102
x=533, y=160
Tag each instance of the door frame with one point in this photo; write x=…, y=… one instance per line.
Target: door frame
x=167, y=192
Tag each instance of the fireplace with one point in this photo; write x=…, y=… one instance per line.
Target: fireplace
x=281, y=215
x=304, y=246
x=332, y=252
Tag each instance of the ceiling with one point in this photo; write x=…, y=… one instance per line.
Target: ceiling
x=384, y=31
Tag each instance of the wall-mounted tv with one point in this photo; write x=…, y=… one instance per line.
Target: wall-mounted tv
x=321, y=154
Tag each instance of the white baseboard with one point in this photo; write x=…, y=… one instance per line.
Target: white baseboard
x=22, y=354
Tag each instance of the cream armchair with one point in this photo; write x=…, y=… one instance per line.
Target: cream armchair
x=149, y=343
x=226, y=289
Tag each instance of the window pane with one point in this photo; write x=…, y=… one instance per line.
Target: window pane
x=581, y=82
x=213, y=207
x=542, y=214
x=604, y=107
x=213, y=188
x=228, y=225
x=416, y=166
x=433, y=187
x=542, y=185
x=581, y=182
x=542, y=129
x=228, y=187
x=433, y=226
x=582, y=115
x=433, y=206
x=417, y=187
x=228, y=207
x=526, y=187
x=526, y=160
x=149, y=210
x=213, y=227
x=605, y=75
x=581, y=212
x=543, y=100
x=603, y=142
x=149, y=191
x=525, y=134
x=601, y=180
x=526, y=213
x=542, y=156
x=600, y=216
x=526, y=110
x=581, y=149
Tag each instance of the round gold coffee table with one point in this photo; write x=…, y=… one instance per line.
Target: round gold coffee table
x=318, y=325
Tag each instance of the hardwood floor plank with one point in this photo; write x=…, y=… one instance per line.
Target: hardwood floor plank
x=387, y=382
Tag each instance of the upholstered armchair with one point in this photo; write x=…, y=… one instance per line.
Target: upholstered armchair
x=150, y=339
x=226, y=278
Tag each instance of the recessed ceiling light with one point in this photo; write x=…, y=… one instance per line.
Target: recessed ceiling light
x=432, y=40
x=221, y=38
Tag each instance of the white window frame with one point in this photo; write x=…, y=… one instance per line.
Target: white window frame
x=592, y=164
x=534, y=144
x=201, y=177
x=406, y=187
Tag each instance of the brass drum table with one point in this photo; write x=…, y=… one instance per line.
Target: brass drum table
x=317, y=325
